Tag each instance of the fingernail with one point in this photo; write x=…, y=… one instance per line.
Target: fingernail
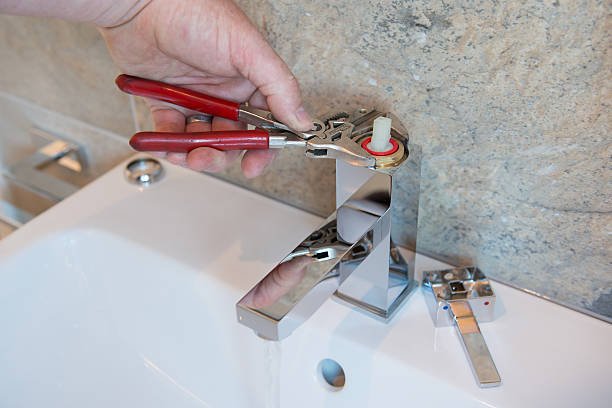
x=303, y=119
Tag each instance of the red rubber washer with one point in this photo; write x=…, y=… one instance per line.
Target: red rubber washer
x=393, y=149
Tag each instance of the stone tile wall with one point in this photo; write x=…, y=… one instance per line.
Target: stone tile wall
x=509, y=101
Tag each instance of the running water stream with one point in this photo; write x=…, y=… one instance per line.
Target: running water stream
x=272, y=367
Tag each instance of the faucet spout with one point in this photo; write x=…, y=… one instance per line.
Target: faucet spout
x=315, y=269
x=298, y=286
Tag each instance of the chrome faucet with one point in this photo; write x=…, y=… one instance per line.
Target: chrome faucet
x=352, y=255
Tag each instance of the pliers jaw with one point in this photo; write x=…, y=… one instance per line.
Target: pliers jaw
x=346, y=134
x=336, y=143
x=343, y=138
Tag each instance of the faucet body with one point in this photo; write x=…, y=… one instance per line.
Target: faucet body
x=351, y=255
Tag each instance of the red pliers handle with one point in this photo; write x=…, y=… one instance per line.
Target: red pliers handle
x=197, y=101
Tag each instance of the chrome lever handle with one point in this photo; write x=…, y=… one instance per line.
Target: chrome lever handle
x=474, y=344
x=462, y=297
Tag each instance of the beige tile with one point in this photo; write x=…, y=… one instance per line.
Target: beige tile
x=64, y=67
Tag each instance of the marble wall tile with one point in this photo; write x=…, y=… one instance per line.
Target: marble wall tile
x=64, y=67
x=508, y=100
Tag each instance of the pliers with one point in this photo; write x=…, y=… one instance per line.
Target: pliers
x=336, y=136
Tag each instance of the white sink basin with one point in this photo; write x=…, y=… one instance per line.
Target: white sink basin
x=124, y=297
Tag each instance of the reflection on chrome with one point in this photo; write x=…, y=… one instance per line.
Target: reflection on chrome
x=296, y=288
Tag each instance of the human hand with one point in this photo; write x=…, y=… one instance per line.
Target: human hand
x=212, y=47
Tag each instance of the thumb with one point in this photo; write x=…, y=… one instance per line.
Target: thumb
x=272, y=77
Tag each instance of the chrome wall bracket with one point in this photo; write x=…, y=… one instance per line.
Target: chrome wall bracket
x=28, y=172
x=29, y=188
x=462, y=297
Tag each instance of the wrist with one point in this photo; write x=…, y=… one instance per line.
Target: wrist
x=103, y=13
x=116, y=13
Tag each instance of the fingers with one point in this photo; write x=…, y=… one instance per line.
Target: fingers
x=167, y=119
x=255, y=162
x=206, y=158
x=181, y=158
x=211, y=160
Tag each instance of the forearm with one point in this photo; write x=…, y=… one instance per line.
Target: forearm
x=104, y=13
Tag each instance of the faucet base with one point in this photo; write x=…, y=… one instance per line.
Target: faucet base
x=400, y=287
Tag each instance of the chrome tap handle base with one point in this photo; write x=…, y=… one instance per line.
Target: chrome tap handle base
x=401, y=286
